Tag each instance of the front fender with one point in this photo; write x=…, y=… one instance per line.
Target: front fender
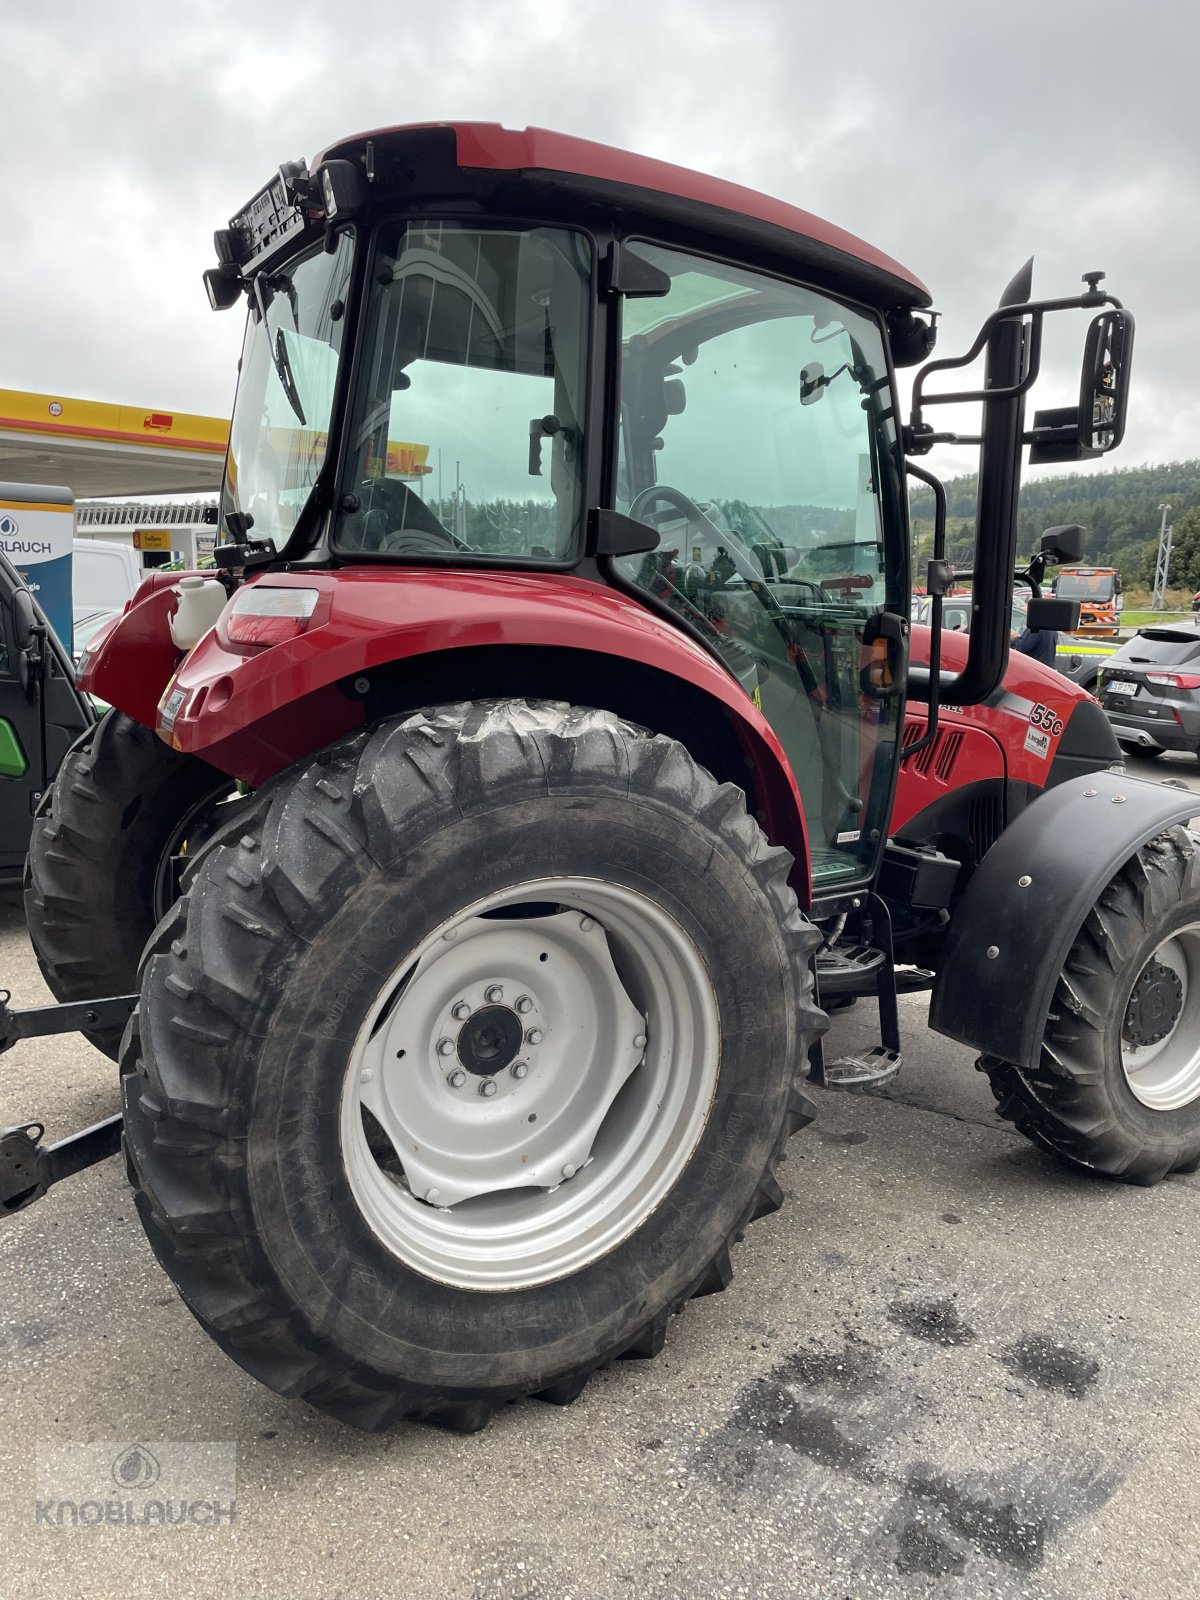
x=1026, y=902
x=251, y=714
x=128, y=663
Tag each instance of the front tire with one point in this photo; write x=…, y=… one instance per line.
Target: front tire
x=1117, y=1088
x=336, y=1157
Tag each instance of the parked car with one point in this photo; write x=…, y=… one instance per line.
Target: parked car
x=1151, y=689
x=88, y=625
x=41, y=715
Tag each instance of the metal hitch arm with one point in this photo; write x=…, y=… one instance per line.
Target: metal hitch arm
x=27, y=1167
x=37, y=1021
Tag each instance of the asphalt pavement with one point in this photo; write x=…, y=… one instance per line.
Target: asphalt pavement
x=948, y=1366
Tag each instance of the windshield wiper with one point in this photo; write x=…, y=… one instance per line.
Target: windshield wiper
x=279, y=356
x=287, y=378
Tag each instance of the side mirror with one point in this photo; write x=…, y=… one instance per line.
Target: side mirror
x=1045, y=614
x=1062, y=545
x=1097, y=424
x=24, y=619
x=1104, y=382
x=812, y=383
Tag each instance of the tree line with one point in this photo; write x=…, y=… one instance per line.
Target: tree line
x=1118, y=511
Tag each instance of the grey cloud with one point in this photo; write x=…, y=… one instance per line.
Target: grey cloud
x=959, y=138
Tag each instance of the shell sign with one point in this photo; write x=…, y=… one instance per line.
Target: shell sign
x=407, y=460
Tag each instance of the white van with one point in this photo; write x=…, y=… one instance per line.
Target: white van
x=103, y=576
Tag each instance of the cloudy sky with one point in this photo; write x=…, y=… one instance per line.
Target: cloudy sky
x=959, y=137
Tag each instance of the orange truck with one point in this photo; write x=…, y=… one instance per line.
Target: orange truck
x=1098, y=590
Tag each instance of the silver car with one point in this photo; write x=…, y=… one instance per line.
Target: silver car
x=1151, y=689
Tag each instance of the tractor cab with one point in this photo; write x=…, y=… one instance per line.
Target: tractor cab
x=692, y=406
x=521, y=359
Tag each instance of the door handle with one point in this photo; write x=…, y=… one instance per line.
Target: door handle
x=885, y=639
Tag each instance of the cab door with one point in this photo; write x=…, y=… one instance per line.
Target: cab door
x=31, y=746
x=757, y=438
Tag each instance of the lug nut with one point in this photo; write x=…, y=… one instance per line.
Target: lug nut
x=534, y=1036
x=433, y=1196
x=993, y=950
x=586, y=924
x=520, y=1069
x=461, y=1011
x=493, y=995
x=367, y=1075
x=639, y=1042
x=1024, y=881
x=524, y=1004
x=446, y=1047
x=457, y=1078
x=487, y=1088
x=568, y=1171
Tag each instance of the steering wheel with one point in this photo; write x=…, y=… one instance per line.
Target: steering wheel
x=762, y=590
x=672, y=497
x=409, y=526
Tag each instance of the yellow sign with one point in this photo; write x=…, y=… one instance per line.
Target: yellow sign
x=61, y=417
x=152, y=539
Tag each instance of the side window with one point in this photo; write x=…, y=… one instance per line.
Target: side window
x=756, y=438
x=467, y=432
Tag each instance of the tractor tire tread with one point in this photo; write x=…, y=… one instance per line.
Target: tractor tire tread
x=311, y=836
x=1064, y=1105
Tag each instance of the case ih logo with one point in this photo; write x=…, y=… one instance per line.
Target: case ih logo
x=159, y=421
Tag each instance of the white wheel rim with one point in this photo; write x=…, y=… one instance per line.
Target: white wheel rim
x=1165, y=1074
x=537, y=1074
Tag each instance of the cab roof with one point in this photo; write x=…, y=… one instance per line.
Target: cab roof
x=711, y=206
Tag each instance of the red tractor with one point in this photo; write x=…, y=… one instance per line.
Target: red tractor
x=475, y=852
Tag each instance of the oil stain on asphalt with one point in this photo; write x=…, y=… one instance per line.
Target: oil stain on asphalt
x=939, y=1321
x=841, y=1412
x=1050, y=1364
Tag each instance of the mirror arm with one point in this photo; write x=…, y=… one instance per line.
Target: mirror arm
x=1035, y=309
x=939, y=578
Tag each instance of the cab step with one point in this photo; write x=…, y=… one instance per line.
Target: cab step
x=878, y=1065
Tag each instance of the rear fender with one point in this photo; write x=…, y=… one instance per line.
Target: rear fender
x=252, y=714
x=1011, y=932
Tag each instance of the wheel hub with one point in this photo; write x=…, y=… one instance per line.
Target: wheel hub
x=1154, y=1006
x=530, y=1083
x=478, y=1096
x=489, y=1040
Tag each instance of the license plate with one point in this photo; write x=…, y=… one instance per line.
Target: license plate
x=1120, y=686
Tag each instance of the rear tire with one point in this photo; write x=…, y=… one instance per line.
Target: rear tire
x=1107, y=1094
x=346, y=917
x=94, y=885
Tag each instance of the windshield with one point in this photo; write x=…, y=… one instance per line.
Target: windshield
x=1084, y=586
x=466, y=435
x=279, y=433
